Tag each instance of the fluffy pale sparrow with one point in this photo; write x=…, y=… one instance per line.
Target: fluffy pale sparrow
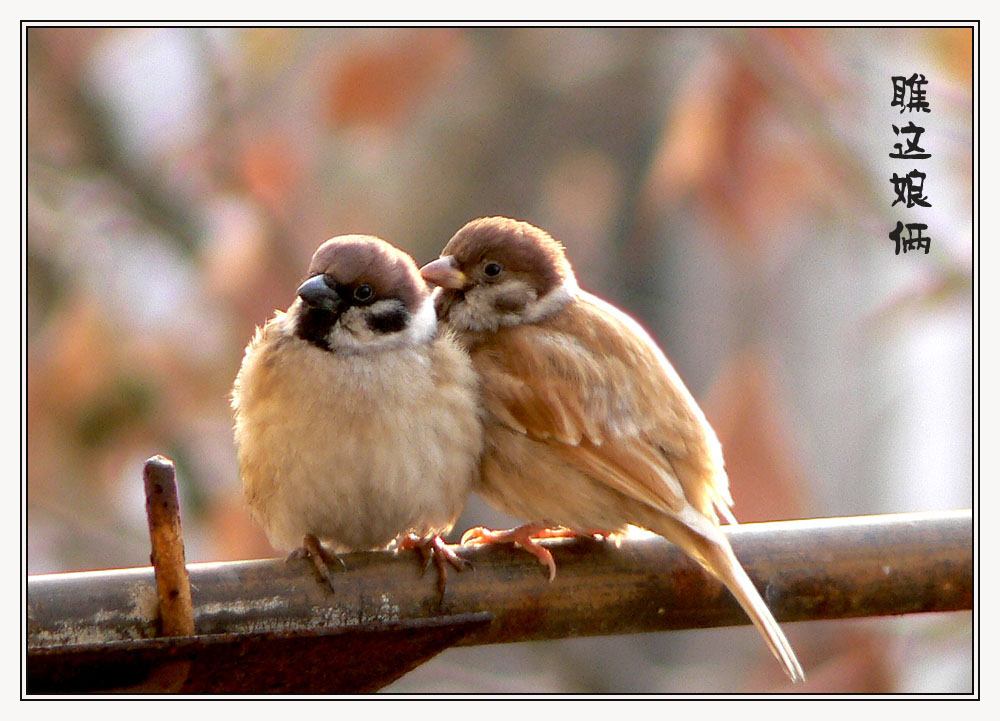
x=357, y=420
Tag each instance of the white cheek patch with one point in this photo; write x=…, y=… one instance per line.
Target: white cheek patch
x=552, y=302
x=493, y=298
x=423, y=325
x=353, y=333
x=478, y=310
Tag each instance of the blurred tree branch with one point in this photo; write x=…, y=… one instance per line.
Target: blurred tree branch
x=94, y=126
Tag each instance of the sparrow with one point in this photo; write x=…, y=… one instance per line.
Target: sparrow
x=357, y=420
x=588, y=427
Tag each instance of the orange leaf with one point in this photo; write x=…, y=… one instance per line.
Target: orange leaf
x=379, y=83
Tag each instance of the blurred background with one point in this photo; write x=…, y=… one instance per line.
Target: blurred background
x=728, y=187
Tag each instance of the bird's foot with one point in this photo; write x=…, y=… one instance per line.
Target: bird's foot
x=313, y=550
x=523, y=537
x=434, y=548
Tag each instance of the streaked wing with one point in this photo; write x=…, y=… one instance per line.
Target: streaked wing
x=589, y=381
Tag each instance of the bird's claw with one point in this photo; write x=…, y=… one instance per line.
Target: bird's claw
x=312, y=550
x=434, y=548
x=523, y=537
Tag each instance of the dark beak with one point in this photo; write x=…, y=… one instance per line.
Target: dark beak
x=445, y=273
x=315, y=293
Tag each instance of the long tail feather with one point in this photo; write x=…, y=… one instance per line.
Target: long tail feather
x=739, y=583
x=722, y=562
x=706, y=542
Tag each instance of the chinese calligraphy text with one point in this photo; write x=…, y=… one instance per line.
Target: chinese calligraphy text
x=909, y=94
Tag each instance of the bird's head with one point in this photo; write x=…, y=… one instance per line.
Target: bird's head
x=363, y=294
x=499, y=272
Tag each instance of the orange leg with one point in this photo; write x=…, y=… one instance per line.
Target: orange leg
x=523, y=537
x=434, y=548
x=314, y=551
x=563, y=532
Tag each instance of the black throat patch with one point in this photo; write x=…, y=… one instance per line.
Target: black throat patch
x=314, y=325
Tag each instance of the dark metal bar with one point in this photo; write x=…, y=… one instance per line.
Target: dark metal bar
x=811, y=569
x=345, y=660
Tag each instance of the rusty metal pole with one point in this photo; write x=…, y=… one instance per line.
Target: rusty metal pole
x=164, y=515
x=266, y=626
x=173, y=586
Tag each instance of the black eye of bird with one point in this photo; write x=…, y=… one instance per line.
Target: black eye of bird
x=492, y=270
x=363, y=293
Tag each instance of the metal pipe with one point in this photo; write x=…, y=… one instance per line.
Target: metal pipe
x=806, y=570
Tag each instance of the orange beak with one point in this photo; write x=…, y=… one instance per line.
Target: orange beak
x=445, y=273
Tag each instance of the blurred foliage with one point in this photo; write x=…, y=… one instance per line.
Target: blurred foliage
x=726, y=186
